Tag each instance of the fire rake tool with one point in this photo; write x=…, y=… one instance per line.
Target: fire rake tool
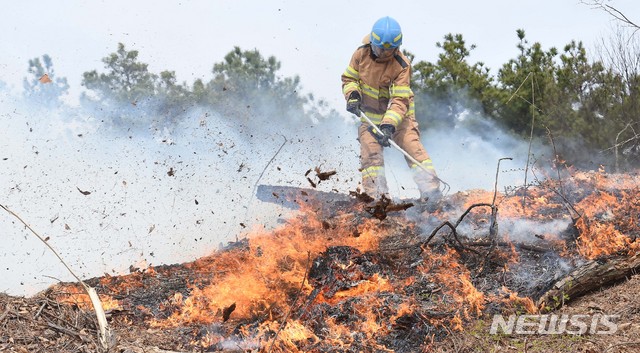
x=395, y=145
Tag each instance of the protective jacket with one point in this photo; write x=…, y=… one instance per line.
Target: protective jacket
x=382, y=84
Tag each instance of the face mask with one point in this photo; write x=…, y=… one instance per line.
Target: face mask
x=382, y=53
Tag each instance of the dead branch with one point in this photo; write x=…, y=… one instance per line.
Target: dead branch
x=39, y=310
x=453, y=229
x=614, y=12
x=495, y=186
x=618, y=145
x=435, y=231
x=451, y=226
x=107, y=338
x=636, y=343
x=6, y=312
x=310, y=298
x=529, y=247
x=65, y=330
x=533, y=120
x=493, y=228
x=255, y=185
x=555, y=156
x=573, y=212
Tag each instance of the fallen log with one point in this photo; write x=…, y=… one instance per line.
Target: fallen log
x=590, y=276
x=529, y=247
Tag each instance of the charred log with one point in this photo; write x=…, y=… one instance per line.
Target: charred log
x=591, y=276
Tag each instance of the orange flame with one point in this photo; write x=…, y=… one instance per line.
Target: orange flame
x=604, y=223
x=262, y=277
x=266, y=279
x=457, y=279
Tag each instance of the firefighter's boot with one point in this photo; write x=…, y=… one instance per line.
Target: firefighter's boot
x=429, y=187
x=374, y=182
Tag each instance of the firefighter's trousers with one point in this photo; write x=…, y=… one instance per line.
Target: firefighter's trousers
x=407, y=136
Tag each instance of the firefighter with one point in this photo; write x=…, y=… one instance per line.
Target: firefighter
x=377, y=81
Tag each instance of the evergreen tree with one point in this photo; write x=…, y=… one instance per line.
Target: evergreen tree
x=128, y=94
x=127, y=80
x=172, y=100
x=42, y=87
x=525, y=84
x=451, y=88
x=246, y=85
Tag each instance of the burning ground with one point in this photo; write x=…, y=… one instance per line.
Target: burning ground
x=339, y=277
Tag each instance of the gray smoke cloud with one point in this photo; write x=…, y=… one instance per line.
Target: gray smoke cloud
x=109, y=197
x=466, y=157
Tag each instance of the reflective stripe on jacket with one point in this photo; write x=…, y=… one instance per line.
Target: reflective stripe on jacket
x=384, y=85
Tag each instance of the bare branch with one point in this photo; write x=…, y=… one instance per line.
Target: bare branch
x=614, y=12
x=620, y=16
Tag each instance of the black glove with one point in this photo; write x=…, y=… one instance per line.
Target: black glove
x=387, y=132
x=353, y=103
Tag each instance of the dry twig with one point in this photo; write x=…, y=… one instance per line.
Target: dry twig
x=107, y=338
x=635, y=343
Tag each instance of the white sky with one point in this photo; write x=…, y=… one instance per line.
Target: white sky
x=312, y=39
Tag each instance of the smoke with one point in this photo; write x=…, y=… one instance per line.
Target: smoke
x=137, y=189
x=108, y=197
x=466, y=154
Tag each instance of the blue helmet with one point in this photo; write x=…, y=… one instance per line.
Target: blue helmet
x=386, y=33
